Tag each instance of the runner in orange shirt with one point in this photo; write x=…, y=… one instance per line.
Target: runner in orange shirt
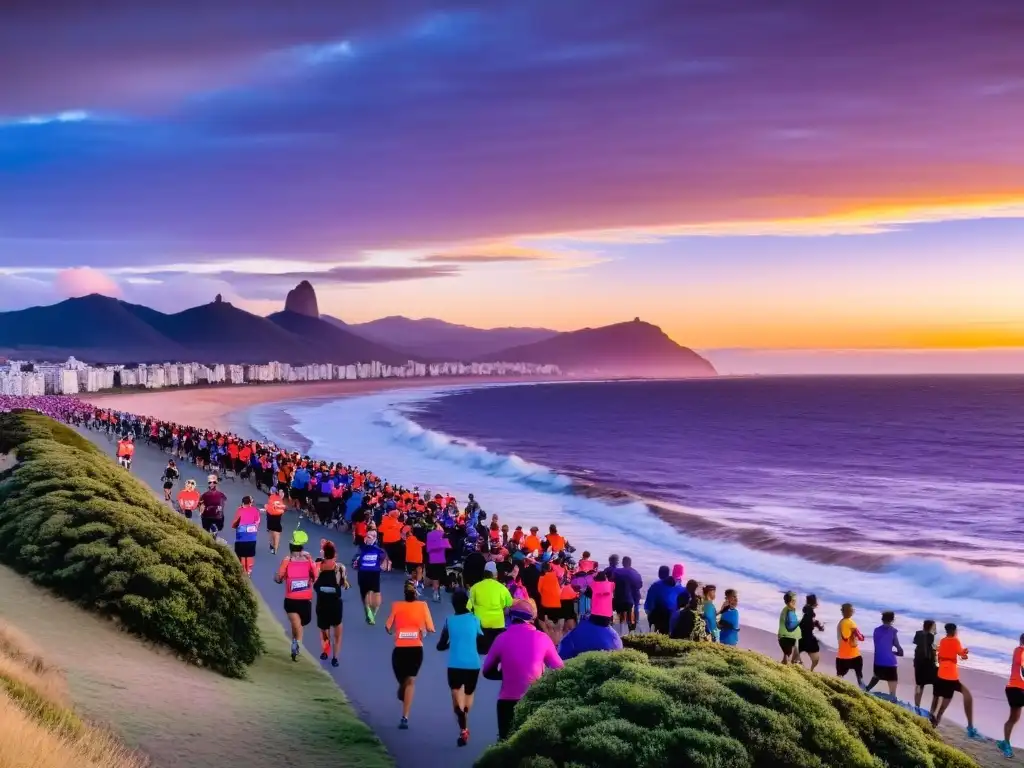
x=275, y=514
x=947, y=681
x=414, y=559
x=188, y=499
x=409, y=621
x=1014, y=697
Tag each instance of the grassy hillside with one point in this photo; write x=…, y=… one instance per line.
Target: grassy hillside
x=38, y=728
x=282, y=713
x=73, y=522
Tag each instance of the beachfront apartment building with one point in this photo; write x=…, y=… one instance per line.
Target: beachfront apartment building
x=15, y=381
x=74, y=376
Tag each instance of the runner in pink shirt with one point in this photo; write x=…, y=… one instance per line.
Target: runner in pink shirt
x=518, y=657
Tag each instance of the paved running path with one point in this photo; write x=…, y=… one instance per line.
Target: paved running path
x=365, y=670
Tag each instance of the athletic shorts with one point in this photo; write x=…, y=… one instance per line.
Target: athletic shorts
x=466, y=679
x=304, y=608
x=855, y=665
x=924, y=674
x=209, y=522
x=944, y=689
x=274, y=523
x=369, y=581
x=406, y=662
x=328, y=616
x=437, y=571
x=187, y=513
x=620, y=608
x=888, y=674
x=553, y=614
x=808, y=645
x=245, y=548
x=168, y=484
x=299, y=495
x=569, y=610
x=1014, y=696
x=787, y=644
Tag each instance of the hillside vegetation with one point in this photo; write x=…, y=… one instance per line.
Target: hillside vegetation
x=668, y=703
x=76, y=523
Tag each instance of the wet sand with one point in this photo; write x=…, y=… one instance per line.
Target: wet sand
x=213, y=406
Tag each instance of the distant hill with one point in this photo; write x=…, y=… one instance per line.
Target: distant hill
x=92, y=327
x=624, y=349
x=328, y=341
x=434, y=339
x=101, y=329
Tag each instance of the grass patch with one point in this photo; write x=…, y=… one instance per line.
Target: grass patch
x=74, y=522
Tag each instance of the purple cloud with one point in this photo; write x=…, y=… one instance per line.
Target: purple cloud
x=230, y=131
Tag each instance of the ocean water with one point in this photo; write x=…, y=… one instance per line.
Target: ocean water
x=904, y=494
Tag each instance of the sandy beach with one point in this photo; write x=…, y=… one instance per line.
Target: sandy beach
x=212, y=406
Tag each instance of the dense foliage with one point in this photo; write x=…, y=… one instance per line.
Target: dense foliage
x=673, y=703
x=73, y=521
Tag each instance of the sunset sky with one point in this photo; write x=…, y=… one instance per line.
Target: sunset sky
x=790, y=174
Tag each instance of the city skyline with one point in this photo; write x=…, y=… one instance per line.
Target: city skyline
x=798, y=177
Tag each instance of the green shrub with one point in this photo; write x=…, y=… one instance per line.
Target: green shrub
x=73, y=521
x=704, y=705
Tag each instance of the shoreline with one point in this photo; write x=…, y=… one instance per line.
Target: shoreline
x=218, y=407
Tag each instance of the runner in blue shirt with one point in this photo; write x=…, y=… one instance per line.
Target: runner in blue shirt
x=368, y=563
x=729, y=619
x=459, y=637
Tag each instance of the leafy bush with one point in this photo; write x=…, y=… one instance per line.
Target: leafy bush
x=73, y=521
x=699, y=704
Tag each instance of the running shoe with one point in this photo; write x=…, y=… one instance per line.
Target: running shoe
x=323, y=656
x=295, y=650
x=972, y=733
x=403, y=724
x=463, y=737
x=1005, y=748
x=334, y=661
x=369, y=615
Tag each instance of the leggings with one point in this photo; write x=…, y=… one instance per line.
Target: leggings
x=506, y=713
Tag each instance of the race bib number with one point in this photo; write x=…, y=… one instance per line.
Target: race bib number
x=298, y=584
x=328, y=591
x=408, y=635
x=369, y=560
x=250, y=528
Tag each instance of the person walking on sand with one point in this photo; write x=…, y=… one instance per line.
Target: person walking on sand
x=848, y=658
x=925, y=662
x=789, y=629
x=459, y=637
x=1014, y=697
x=808, y=642
x=297, y=572
x=887, y=648
x=947, y=680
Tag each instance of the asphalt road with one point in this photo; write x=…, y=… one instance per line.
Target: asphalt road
x=365, y=671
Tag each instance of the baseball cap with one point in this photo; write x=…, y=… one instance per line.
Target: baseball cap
x=491, y=568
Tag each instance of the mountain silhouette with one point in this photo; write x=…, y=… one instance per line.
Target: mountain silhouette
x=328, y=341
x=434, y=339
x=625, y=349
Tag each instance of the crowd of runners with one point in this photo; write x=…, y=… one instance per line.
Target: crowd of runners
x=523, y=602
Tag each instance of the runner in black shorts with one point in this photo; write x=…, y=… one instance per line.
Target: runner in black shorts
x=1014, y=697
x=409, y=622
x=328, y=585
x=459, y=637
